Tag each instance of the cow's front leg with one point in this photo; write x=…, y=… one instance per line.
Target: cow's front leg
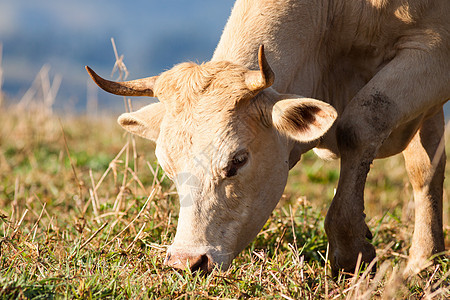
x=347, y=232
x=403, y=90
x=425, y=164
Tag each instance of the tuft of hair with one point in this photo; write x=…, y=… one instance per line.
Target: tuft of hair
x=186, y=84
x=303, y=119
x=299, y=118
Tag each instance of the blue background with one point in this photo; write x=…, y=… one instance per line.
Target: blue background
x=153, y=35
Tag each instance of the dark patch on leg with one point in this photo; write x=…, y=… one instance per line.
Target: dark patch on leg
x=376, y=100
x=378, y=109
x=346, y=136
x=375, y=115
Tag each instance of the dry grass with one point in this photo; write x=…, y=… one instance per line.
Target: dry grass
x=86, y=212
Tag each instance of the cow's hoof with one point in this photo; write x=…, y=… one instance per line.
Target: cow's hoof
x=346, y=261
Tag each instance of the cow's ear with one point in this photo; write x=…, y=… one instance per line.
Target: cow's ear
x=145, y=122
x=303, y=119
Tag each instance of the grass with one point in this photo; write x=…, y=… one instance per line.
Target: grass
x=86, y=213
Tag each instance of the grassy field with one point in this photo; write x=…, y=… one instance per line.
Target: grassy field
x=86, y=213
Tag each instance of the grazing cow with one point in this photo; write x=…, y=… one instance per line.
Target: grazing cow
x=228, y=131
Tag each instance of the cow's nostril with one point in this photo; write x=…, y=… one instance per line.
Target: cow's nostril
x=201, y=264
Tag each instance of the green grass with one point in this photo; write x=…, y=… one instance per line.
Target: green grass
x=96, y=225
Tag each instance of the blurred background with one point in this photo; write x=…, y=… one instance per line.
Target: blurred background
x=64, y=36
x=53, y=40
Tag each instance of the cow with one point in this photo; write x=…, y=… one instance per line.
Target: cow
x=356, y=80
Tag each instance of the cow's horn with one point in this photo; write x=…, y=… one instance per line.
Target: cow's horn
x=138, y=87
x=259, y=80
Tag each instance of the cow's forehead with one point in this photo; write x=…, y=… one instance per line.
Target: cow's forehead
x=193, y=88
x=203, y=124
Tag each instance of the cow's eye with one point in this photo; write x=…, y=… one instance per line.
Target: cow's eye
x=237, y=162
x=240, y=159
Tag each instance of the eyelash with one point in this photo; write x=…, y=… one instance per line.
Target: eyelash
x=238, y=161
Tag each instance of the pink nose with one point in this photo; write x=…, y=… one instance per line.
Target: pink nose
x=194, y=262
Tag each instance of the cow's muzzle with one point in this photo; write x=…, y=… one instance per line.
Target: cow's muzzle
x=201, y=263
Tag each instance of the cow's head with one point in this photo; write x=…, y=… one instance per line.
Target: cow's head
x=228, y=142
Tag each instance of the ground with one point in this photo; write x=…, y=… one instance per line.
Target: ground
x=86, y=212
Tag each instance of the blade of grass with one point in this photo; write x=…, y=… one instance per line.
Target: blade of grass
x=88, y=240
x=79, y=183
x=135, y=218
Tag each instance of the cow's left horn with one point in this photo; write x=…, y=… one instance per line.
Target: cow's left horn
x=259, y=80
x=138, y=87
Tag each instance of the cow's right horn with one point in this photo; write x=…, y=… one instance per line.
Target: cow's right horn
x=138, y=87
x=264, y=78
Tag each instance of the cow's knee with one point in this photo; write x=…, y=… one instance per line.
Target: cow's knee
x=366, y=123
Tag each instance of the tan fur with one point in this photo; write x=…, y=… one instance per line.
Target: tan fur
x=181, y=87
x=390, y=57
x=384, y=65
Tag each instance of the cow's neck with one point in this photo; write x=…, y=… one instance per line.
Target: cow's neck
x=318, y=49
x=289, y=42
